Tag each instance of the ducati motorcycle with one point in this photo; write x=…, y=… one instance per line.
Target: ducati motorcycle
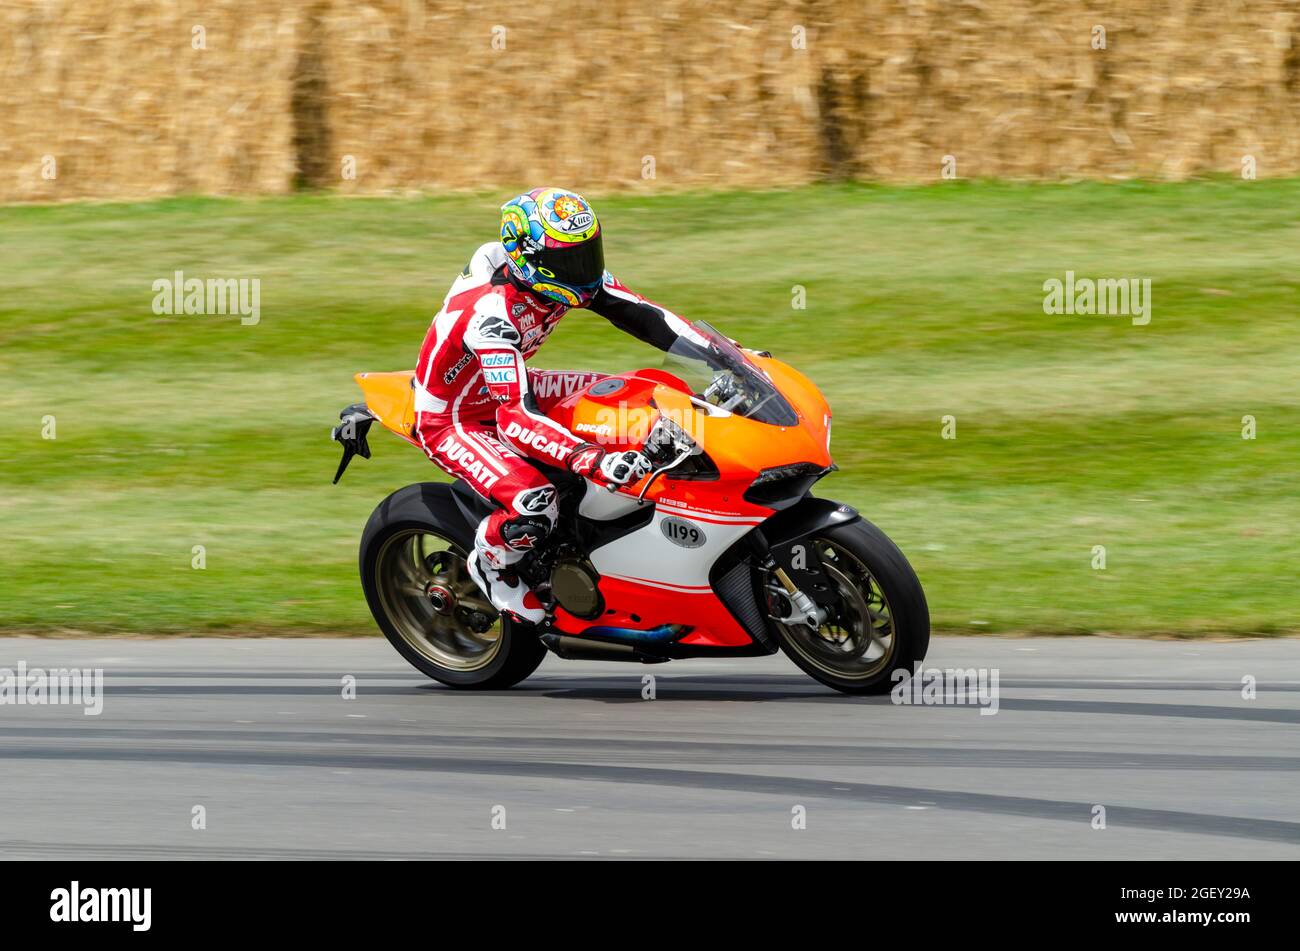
x=720, y=551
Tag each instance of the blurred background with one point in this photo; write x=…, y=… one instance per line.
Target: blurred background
x=875, y=191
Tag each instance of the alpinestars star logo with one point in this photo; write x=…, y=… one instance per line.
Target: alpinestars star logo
x=538, y=500
x=585, y=461
x=523, y=541
x=498, y=328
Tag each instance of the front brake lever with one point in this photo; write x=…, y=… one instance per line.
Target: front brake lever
x=640, y=499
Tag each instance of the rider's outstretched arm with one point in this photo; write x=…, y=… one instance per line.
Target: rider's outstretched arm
x=520, y=424
x=643, y=319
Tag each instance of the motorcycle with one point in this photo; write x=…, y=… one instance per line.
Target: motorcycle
x=720, y=551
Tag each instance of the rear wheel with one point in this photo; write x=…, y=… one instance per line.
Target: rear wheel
x=418, y=586
x=877, y=621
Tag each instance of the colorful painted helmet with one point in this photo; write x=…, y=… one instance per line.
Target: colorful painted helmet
x=553, y=241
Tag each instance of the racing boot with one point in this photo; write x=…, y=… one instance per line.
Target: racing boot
x=492, y=568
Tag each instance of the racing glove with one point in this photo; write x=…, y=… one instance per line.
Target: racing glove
x=607, y=468
x=749, y=350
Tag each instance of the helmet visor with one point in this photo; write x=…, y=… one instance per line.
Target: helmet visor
x=575, y=265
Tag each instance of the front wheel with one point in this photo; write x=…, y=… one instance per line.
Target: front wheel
x=420, y=592
x=877, y=621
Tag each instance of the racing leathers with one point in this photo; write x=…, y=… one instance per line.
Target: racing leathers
x=481, y=413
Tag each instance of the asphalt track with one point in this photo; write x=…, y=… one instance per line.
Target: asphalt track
x=257, y=732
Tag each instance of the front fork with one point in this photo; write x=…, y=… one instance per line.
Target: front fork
x=803, y=610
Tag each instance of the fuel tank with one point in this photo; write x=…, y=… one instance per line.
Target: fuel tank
x=617, y=411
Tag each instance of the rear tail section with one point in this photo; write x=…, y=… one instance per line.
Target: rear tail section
x=390, y=399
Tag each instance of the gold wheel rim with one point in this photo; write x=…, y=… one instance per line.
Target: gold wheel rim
x=428, y=596
x=859, y=640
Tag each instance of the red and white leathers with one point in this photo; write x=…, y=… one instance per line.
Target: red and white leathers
x=480, y=413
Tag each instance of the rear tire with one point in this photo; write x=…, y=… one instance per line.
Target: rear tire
x=861, y=558
x=412, y=563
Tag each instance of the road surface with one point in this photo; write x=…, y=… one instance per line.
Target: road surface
x=745, y=759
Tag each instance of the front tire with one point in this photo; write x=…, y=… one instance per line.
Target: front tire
x=420, y=593
x=879, y=623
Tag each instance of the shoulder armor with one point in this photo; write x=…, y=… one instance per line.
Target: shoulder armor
x=490, y=326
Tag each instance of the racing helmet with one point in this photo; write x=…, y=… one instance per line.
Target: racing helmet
x=553, y=245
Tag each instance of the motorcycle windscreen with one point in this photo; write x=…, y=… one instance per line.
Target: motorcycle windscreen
x=721, y=374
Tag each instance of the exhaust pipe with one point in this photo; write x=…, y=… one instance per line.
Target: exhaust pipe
x=580, y=648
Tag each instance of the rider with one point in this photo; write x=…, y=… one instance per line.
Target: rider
x=480, y=414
